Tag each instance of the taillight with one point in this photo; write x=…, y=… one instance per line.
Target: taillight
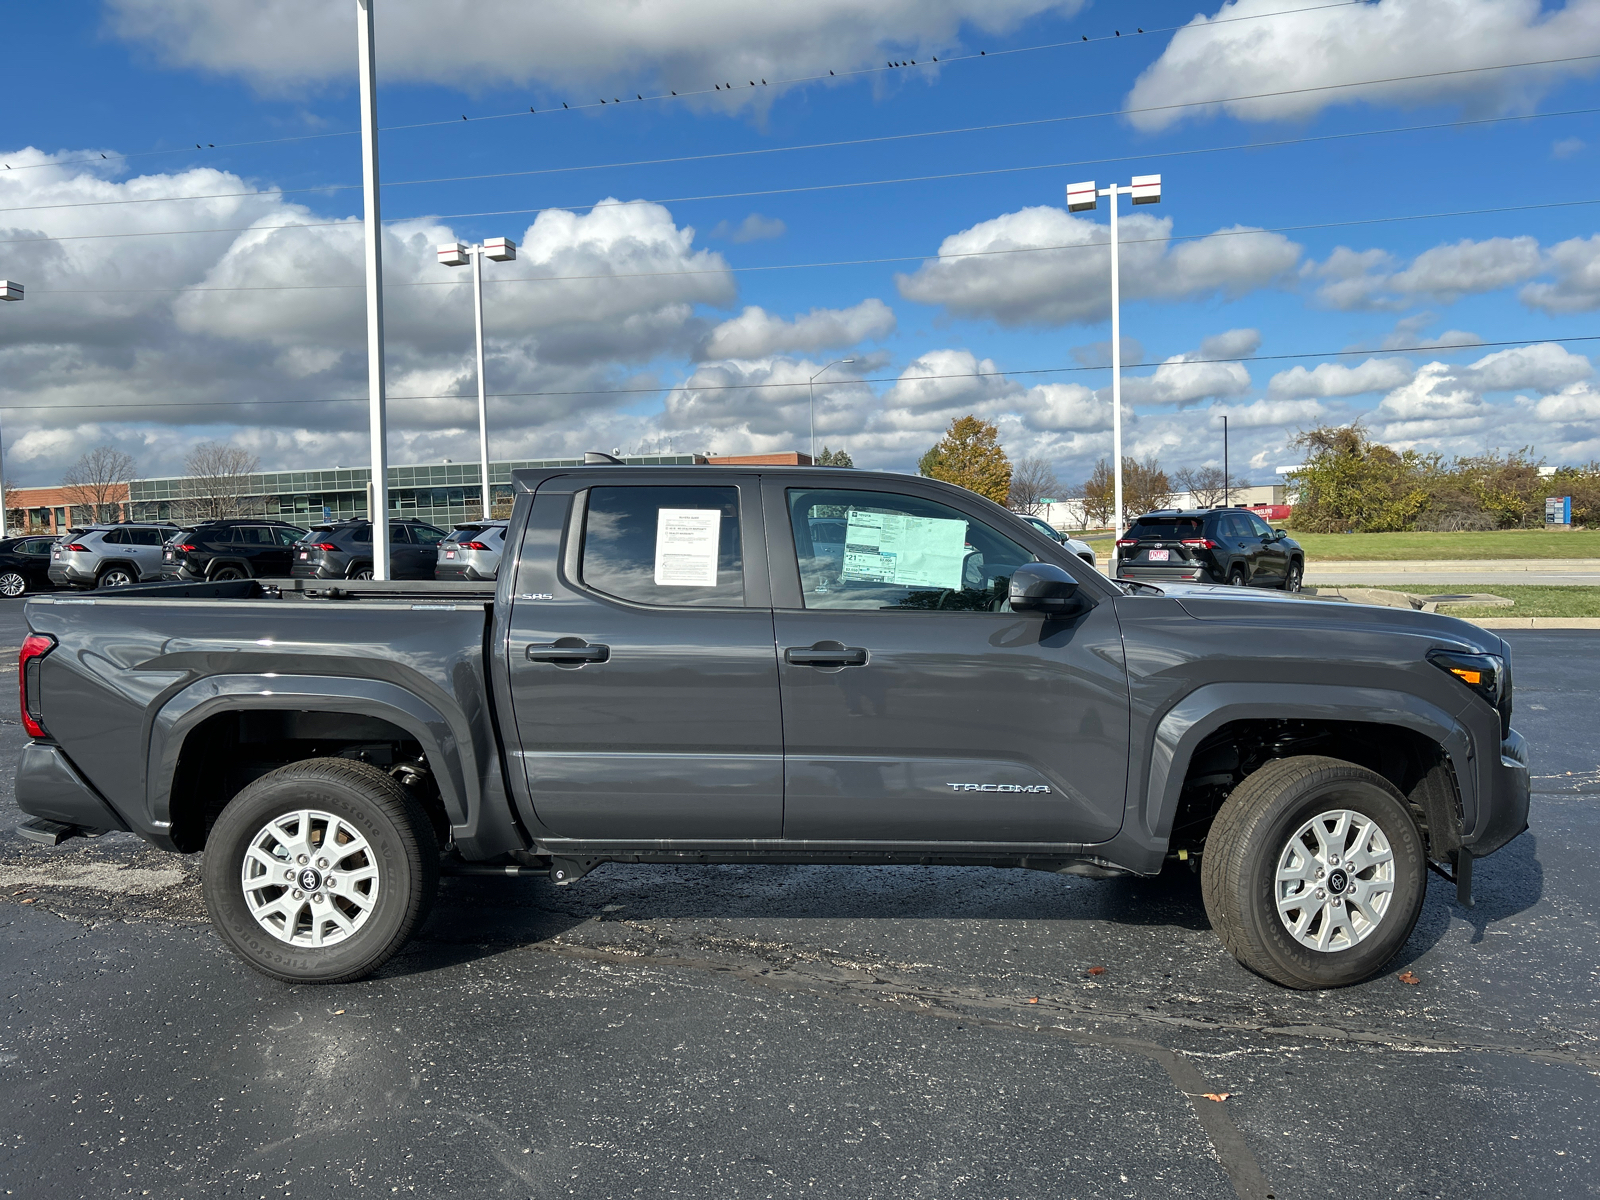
x=321, y=546
x=473, y=546
x=1127, y=541
x=185, y=546
x=1202, y=543
x=76, y=546
x=34, y=647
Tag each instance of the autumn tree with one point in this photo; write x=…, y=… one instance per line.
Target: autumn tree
x=218, y=482
x=1099, y=496
x=1145, y=486
x=99, y=481
x=1352, y=484
x=1032, y=482
x=970, y=455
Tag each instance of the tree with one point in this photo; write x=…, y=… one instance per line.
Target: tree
x=218, y=482
x=1144, y=486
x=1207, y=486
x=835, y=458
x=1032, y=482
x=1351, y=484
x=99, y=481
x=969, y=455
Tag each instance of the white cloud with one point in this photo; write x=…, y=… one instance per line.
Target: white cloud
x=1578, y=402
x=1268, y=414
x=1071, y=284
x=1335, y=379
x=1352, y=280
x=1328, y=45
x=591, y=45
x=1234, y=343
x=1443, y=400
x=754, y=228
x=1576, y=264
x=1566, y=147
x=1543, y=367
x=756, y=333
x=1179, y=381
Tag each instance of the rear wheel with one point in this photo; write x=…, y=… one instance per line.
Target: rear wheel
x=362, y=572
x=1313, y=872
x=319, y=871
x=113, y=577
x=1236, y=577
x=224, y=574
x=12, y=584
x=1295, y=577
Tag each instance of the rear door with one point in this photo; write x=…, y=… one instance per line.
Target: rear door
x=144, y=548
x=643, y=679
x=427, y=540
x=916, y=706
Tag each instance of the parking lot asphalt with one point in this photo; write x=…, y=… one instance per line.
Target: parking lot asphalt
x=824, y=1031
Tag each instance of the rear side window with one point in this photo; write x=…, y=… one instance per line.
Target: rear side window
x=251, y=535
x=144, y=537
x=364, y=534
x=288, y=535
x=426, y=535
x=664, y=545
x=1168, y=527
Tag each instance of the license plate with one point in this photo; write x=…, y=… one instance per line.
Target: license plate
x=303, y=554
x=449, y=553
x=1160, y=555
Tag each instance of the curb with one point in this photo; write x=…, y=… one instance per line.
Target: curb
x=1535, y=622
x=1325, y=566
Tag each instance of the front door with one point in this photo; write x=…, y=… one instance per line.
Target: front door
x=1273, y=560
x=916, y=706
x=643, y=679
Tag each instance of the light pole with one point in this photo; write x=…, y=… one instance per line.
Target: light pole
x=1224, y=462
x=1081, y=197
x=458, y=254
x=10, y=289
x=377, y=414
x=811, y=387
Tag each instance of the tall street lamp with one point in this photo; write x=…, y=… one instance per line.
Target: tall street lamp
x=377, y=412
x=1081, y=197
x=457, y=254
x=10, y=289
x=811, y=387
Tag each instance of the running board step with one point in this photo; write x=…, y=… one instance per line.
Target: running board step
x=51, y=833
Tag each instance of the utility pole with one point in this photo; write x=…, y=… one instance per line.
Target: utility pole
x=456, y=254
x=10, y=289
x=377, y=415
x=1224, y=462
x=1081, y=197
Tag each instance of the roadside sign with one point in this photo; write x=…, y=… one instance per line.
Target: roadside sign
x=327, y=512
x=1558, y=510
x=1048, y=500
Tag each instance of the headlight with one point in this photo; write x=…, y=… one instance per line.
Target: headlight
x=1483, y=673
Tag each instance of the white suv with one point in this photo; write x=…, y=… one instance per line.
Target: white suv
x=109, y=555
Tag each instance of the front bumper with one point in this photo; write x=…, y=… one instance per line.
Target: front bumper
x=1503, y=811
x=49, y=786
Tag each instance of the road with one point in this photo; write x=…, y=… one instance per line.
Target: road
x=728, y=1032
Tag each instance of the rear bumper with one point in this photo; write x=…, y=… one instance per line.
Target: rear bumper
x=49, y=786
x=1504, y=811
x=1179, y=573
x=315, y=570
x=66, y=574
x=460, y=570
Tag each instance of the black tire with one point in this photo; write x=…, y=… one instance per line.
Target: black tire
x=1236, y=577
x=114, y=577
x=361, y=572
x=225, y=574
x=403, y=848
x=1254, y=832
x=1295, y=577
x=13, y=583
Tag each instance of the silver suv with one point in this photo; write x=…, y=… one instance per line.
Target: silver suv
x=472, y=551
x=109, y=555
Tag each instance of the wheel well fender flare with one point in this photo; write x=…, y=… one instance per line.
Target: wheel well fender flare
x=110, y=564
x=1208, y=708
x=218, y=563
x=449, y=753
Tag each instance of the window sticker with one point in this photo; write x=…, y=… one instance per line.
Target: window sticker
x=922, y=552
x=686, y=546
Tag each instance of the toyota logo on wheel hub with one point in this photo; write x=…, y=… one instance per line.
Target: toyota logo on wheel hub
x=310, y=880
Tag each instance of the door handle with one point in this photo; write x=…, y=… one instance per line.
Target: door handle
x=826, y=654
x=568, y=652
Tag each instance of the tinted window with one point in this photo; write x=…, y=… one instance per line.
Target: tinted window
x=1168, y=527
x=898, y=552
x=114, y=537
x=287, y=535
x=398, y=535
x=426, y=535
x=1258, y=526
x=664, y=545
x=252, y=535
x=364, y=534
x=36, y=547
x=144, y=537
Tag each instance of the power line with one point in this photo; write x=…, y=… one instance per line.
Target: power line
x=893, y=137
x=809, y=188
x=845, y=262
x=715, y=90
x=734, y=387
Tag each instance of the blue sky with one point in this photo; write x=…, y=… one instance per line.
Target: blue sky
x=255, y=337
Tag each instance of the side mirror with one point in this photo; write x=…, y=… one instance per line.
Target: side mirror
x=1046, y=590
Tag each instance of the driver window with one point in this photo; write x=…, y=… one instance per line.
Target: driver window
x=881, y=550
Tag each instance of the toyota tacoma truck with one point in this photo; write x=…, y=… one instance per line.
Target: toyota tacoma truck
x=714, y=665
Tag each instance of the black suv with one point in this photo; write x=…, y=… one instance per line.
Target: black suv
x=231, y=548
x=1210, y=545
x=343, y=550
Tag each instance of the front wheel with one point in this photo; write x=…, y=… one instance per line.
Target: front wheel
x=1236, y=577
x=1295, y=577
x=319, y=871
x=12, y=584
x=1313, y=872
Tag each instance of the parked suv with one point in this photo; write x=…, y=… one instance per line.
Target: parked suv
x=472, y=551
x=1210, y=545
x=231, y=548
x=109, y=555
x=343, y=550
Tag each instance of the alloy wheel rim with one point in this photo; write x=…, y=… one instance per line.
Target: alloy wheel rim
x=115, y=579
x=12, y=584
x=1335, y=880
x=310, y=879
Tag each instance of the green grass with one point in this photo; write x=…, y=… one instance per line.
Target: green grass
x=1503, y=543
x=1558, y=601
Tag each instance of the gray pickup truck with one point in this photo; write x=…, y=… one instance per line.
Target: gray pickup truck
x=709, y=665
